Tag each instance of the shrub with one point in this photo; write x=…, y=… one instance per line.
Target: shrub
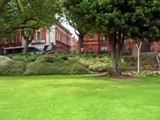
x=58, y=67
x=148, y=59
x=146, y=73
x=49, y=59
x=129, y=58
x=64, y=57
x=23, y=57
x=11, y=67
x=96, y=64
x=61, y=64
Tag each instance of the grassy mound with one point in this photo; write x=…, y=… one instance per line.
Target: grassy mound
x=11, y=67
x=23, y=57
x=49, y=65
x=58, y=64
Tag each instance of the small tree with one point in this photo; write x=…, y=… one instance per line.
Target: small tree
x=138, y=46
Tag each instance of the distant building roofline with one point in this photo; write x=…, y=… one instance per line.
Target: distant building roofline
x=64, y=28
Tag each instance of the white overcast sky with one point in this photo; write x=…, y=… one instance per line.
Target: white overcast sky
x=71, y=29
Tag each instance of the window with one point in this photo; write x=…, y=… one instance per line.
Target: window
x=57, y=36
x=38, y=35
x=103, y=37
x=61, y=38
x=103, y=49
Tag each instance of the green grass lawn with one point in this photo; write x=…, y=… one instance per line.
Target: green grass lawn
x=78, y=98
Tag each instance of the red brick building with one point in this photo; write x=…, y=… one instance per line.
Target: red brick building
x=74, y=45
x=97, y=43
x=12, y=41
x=63, y=38
x=57, y=35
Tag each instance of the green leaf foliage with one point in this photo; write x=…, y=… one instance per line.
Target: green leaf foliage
x=135, y=18
x=21, y=14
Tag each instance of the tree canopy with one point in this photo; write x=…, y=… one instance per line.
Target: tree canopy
x=120, y=19
x=20, y=14
x=79, y=17
x=26, y=16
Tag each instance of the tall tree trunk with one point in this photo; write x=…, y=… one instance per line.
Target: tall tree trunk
x=116, y=60
x=26, y=44
x=116, y=63
x=28, y=39
x=80, y=44
x=116, y=52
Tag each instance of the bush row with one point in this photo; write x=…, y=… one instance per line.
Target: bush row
x=43, y=65
x=56, y=64
x=53, y=64
x=146, y=73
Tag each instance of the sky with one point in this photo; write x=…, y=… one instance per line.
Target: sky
x=70, y=28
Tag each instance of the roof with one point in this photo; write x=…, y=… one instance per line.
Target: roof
x=64, y=28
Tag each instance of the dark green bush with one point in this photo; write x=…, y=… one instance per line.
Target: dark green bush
x=64, y=57
x=129, y=58
x=49, y=59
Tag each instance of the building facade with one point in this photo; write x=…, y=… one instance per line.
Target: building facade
x=97, y=43
x=63, y=38
x=12, y=41
x=74, y=45
x=57, y=35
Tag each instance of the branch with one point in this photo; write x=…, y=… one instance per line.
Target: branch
x=19, y=26
x=18, y=6
x=30, y=37
x=24, y=35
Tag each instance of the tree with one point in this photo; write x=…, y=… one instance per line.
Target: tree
x=42, y=14
x=78, y=16
x=147, y=19
x=121, y=19
x=28, y=35
x=27, y=16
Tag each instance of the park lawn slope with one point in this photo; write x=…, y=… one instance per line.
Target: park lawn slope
x=78, y=98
